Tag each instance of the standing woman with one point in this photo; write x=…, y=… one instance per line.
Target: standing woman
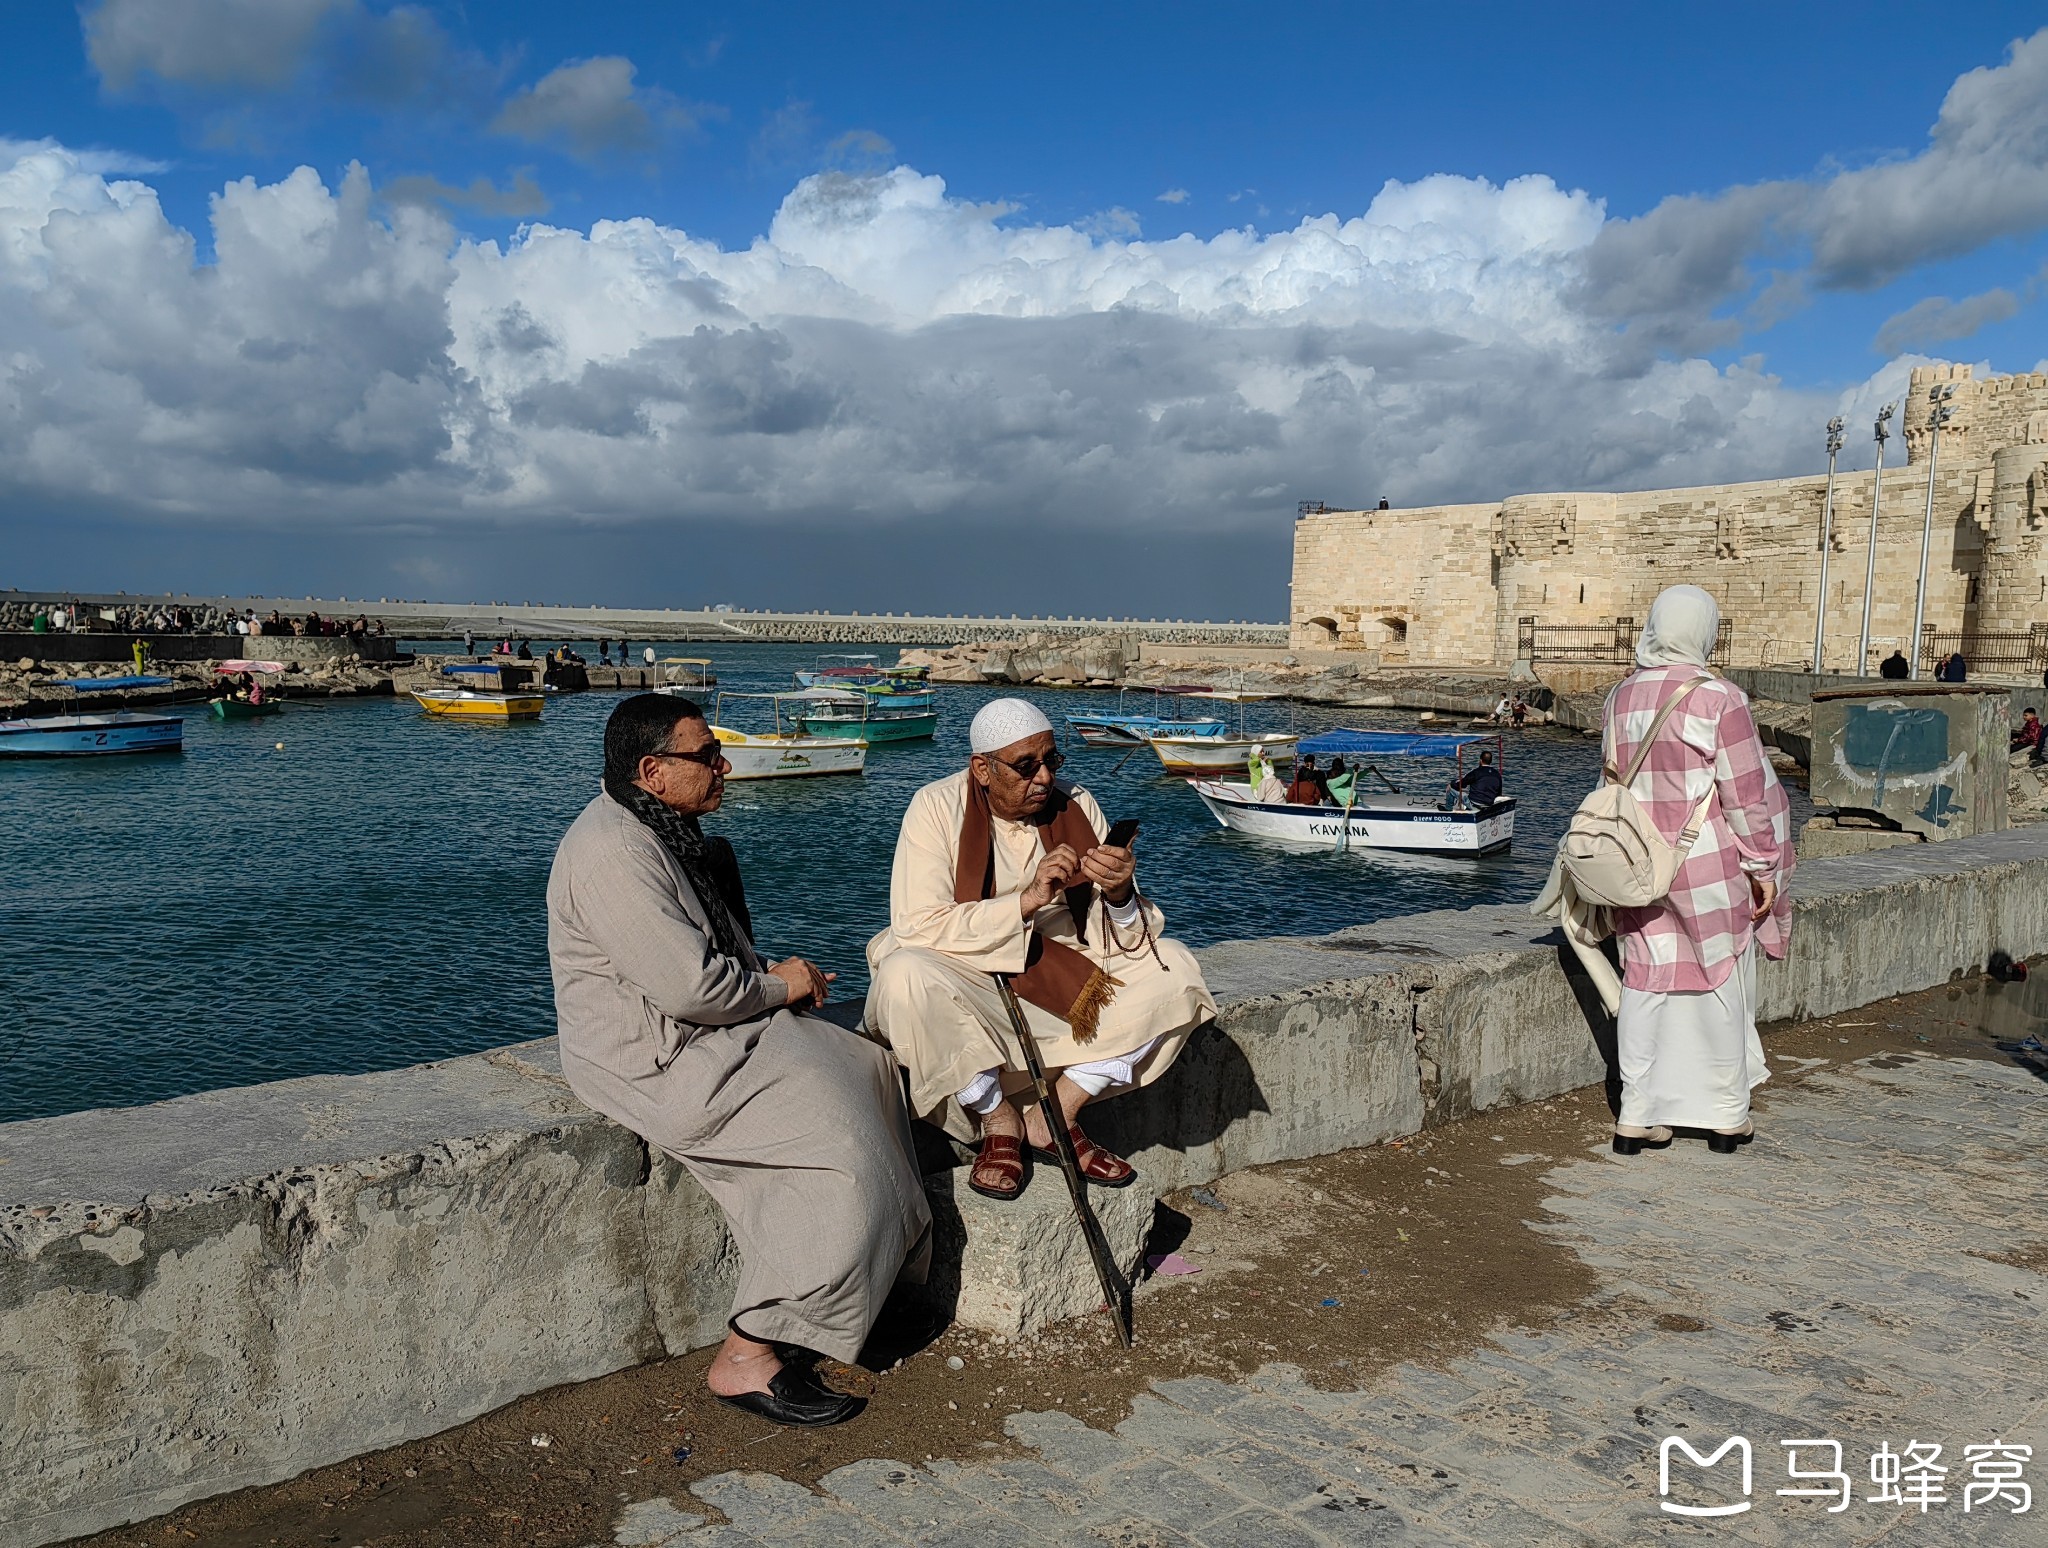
x=1688, y=1047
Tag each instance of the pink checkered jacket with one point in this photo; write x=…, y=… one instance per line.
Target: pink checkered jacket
x=1691, y=939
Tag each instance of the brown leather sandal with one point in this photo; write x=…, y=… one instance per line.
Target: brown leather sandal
x=999, y=1169
x=1103, y=1167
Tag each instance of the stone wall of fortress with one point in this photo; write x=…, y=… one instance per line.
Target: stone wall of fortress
x=1449, y=583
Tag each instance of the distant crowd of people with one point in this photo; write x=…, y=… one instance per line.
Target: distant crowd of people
x=79, y=617
x=312, y=626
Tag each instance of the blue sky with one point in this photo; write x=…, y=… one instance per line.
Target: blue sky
x=624, y=299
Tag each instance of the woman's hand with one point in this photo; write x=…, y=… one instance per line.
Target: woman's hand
x=1763, y=892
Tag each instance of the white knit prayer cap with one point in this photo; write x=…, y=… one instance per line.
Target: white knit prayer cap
x=1000, y=722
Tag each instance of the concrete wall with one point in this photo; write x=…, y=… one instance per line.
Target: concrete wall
x=229, y=1288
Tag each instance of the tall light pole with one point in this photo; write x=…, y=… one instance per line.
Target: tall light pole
x=1938, y=414
x=1827, y=538
x=1870, y=564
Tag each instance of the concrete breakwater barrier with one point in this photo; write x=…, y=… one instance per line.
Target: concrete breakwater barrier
x=229, y=1288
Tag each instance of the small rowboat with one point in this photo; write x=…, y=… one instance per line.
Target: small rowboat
x=83, y=736
x=242, y=709
x=461, y=704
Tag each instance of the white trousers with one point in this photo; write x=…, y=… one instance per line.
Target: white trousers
x=984, y=1093
x=1690, y=1059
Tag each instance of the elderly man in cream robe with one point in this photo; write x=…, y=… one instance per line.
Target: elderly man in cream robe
x=1000, y=869
x=673, y=1025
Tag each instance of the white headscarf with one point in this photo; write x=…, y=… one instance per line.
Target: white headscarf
x=1001, y=722
x=1683, y=626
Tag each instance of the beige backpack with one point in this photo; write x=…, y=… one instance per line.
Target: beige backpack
x=1612, y=851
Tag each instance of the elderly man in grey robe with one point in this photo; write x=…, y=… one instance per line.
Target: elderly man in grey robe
x=673, y=1025
x=1001, y=869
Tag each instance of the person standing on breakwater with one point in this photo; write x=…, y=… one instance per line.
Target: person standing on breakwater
x=1001, y=869
x=671, y=1023
x=1686, y=1030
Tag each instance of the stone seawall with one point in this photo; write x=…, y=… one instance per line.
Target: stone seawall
x=232, y=1287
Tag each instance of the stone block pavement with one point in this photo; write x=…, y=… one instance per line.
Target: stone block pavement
x=1838, y=1280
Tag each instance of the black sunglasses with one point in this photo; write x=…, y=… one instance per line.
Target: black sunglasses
x=708, y=756
x=1028, y=767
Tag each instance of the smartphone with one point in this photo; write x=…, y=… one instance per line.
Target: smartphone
x=1121, y=834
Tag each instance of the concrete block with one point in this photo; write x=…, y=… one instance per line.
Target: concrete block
x=1024, y=1263
x=1821, y=839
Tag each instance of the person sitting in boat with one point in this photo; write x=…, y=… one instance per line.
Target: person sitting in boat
x=1307, y=788
x=1338, y=783
x=1481, y=787
x=255, y=692
x=1266, y=786
x=672, y=1024
x=1001, y=869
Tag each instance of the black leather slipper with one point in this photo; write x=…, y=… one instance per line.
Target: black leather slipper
x=795, y=1396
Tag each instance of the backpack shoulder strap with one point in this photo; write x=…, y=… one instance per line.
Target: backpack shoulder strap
x=1635, y=764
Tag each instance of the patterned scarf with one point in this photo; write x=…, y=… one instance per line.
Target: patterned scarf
x=709, y=865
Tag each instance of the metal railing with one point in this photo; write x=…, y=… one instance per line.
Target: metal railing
x=1987, y=650
x=1609, y=642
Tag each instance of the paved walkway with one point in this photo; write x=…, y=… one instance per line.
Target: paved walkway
x=1828, y=1284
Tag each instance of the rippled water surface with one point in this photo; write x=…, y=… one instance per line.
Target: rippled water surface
x=373, y=894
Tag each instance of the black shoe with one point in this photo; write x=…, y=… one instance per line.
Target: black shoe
x=796, y=1397
x=1727, y=1144
x=1636, y=1144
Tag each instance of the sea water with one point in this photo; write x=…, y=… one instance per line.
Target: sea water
x=372, y=893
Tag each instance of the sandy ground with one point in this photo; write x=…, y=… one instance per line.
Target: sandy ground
x=1410, y=1251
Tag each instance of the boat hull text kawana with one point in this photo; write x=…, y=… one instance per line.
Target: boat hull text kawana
x=1382, y=821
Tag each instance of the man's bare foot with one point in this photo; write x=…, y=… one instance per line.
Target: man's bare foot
x=741, y=1365
x=1071, y=1099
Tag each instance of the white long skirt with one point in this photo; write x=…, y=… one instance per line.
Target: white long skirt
x=1691, y=1059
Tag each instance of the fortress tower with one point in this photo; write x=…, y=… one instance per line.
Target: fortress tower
x=1454, y=584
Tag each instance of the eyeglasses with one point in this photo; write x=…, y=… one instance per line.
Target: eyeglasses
x=709, y=755
x=1028, y=767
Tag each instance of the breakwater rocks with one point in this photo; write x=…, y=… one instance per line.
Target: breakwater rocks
x=1093, y=661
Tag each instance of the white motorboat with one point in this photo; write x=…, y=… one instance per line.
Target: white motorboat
x=1214, y=753
x=1386, y=818
x=1219, y=754
x=783, y=754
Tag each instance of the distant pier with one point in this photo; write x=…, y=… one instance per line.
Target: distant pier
x=500, y=620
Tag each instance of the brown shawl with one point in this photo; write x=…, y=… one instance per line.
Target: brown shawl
x=1056, y=978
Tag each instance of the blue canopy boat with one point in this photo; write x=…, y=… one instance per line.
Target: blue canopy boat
x=1438, y=823
x=103, y=684
x=82, y=736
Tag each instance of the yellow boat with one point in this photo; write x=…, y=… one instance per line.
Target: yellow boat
x=465, y=705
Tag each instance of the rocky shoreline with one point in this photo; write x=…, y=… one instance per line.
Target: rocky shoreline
x=29, y=687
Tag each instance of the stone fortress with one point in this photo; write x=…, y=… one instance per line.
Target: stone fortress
x=1459, y=583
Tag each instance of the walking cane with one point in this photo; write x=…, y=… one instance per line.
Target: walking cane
x=1116, y=1295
